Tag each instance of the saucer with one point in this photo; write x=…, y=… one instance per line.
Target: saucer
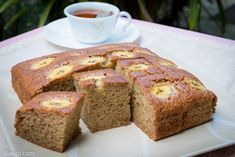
x=58, y=32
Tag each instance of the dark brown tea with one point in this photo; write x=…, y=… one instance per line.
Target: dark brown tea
x=92, y=13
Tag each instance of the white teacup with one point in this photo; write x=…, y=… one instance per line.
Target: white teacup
x=94, y=30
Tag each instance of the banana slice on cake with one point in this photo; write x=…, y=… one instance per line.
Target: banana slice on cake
x=60, y=71
x=122, y=54
x=42, y=63
x=93, y=60
x=137, y=67
x=55, y=103
x=163, y=90
x=142, y=51
x=168, y=64
x=194, y=84
x=95, y=77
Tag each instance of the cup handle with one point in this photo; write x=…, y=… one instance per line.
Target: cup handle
x=129, y=19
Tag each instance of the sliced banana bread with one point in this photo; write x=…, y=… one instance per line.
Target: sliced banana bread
x=107, y=99
x=164, y=106
x=50, y=119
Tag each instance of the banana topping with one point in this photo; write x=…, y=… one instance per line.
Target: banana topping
x=194, y=84
x=168, y=64
x=60, y=71
x=137, y=67
x=42, y=63
x=142, y=51
x=163, y=90
x=55, y=103
x=122, y=54
x=93, y=60
x=95, y=77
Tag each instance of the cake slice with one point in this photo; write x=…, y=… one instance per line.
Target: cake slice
x=50, y=119
x=203, y=102
x=163, y=106
x=107, y=99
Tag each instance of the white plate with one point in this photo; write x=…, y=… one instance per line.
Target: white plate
x=124, y=141
x=58, y=32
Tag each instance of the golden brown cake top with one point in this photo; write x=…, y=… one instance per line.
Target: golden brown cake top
x=35, y=82
x=99, y=78
x=179, y=74
x=31, y=66
x=161, y=90
x=59, y=102
x=137, y=67
x=114, y=56
x=161, y=62
x=34, y=75
x=109, y=48
x=42, y=62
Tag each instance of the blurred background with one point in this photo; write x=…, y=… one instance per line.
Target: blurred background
x=216, y=17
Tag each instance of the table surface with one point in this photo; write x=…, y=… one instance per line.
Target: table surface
x=212, y=56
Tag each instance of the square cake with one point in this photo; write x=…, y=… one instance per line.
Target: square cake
x=163, y=106
x=107, y=99
x=50, y=119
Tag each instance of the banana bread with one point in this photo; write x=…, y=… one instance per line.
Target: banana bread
x=163, y=106
x=164, y=99
x=50, y=119
x=107, y=99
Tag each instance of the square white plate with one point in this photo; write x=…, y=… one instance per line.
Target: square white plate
x=124, y=141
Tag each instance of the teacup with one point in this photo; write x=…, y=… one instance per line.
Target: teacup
x=94, y=30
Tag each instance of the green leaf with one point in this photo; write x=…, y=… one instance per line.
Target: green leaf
x=15, y=17
x=45, y=13
x=8, y=4
x=194, y=13
x=222, y=16
x=144, y=12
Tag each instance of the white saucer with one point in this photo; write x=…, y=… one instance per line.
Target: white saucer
x=58, y=32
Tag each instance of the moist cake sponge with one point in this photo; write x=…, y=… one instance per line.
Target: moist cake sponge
x=50, y=119
x=107, y=99
x=163, y=106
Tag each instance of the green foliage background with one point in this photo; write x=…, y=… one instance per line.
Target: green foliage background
x=18, y=16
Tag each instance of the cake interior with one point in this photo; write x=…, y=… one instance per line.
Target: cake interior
x=106, y=104
x=106, y=109
x=142, y=113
